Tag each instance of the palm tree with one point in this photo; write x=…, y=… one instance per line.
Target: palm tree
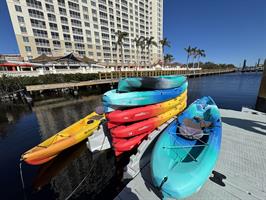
x=194, y=53
x=165, y=43
x=142, y=46
x=201, y=53
x=120, y=42
x=188, y=50
x=138, y=42
x=150, y=42
x=168, y=58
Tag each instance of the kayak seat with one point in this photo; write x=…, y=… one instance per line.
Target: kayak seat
x=193, y=129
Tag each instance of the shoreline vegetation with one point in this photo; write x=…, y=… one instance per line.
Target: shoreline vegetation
x=10, y=84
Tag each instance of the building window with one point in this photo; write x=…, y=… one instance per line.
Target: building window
x=85, y=9
x=68, y=45
x=21, y=19
x=40, y=33
x=53, y=26
x=42, y=42
x=49, y=8
x=36, y=14
x=66, y=37
x=55, y=35
x=18, y=8
x=25, y=39
x=28, y=49
x=93, y=3
x=56, y=44
x=42, y=50
x=23, y=29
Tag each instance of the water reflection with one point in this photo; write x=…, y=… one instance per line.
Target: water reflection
x=57, y=116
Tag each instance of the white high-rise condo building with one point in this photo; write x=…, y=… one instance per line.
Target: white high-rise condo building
x=87, y=27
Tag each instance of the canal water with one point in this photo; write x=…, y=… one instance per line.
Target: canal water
x=22, y=128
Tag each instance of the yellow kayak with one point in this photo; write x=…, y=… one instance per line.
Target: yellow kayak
x=66, y=138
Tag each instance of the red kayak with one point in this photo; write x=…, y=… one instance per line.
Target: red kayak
x=145, y=112
x=122, y=145
x=147, y=125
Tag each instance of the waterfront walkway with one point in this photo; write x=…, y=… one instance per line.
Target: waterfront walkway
x=240, y=171
x=113, y=77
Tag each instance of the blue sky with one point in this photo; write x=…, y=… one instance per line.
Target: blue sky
x=228, y=30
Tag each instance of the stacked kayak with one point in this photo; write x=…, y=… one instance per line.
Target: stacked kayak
x=134, y=110
x=186, y=152
x=66, y=138
x=150, y=83
x=116, y=100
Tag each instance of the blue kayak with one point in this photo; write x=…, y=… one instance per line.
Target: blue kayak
x=114, y=100
x=181, y=160
x=150, y=83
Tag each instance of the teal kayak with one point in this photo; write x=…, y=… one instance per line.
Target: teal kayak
x=150, y=83
x=114, y=100
x=181, y=163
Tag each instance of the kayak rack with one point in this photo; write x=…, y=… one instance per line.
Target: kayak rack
x=138, y=161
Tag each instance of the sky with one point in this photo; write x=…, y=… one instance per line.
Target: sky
x=228, y=30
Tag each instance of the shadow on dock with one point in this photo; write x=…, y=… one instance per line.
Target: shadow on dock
x=249, y=125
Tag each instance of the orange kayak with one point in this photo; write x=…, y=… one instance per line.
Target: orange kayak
x=66, y=138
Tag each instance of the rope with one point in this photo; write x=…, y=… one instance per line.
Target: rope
x=71, y=194
x=21, y=175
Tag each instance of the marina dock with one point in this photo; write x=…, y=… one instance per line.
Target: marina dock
x=239, y=173
x=113, y=77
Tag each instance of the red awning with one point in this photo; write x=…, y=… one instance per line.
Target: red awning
x=9, y=64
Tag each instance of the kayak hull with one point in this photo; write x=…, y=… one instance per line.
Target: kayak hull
x=180, y=165
x=112, y=100
x=150, y=83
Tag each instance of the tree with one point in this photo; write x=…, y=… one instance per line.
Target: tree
x=188, y=50
x=150, y=42
x=168, y=58
x=165, y=43
x=201, y=53
x=142, y=46
x=120, y=42
x=138, y=42
x=194, y=53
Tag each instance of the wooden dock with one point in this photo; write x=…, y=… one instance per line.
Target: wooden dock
x=113, y=77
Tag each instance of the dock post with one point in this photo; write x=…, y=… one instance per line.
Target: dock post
x=261, y=99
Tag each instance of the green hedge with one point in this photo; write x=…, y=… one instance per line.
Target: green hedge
x=8, y=84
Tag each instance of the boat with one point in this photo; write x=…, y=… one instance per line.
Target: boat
x=141, y=113
x=148, y=125
x=64, y=139
x=113, y=100
x=150, y=83
x=183, y=156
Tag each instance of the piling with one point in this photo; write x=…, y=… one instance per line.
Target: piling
x=261, y=99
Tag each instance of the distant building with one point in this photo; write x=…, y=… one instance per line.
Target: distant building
x=86, y=27
x=10, y=58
